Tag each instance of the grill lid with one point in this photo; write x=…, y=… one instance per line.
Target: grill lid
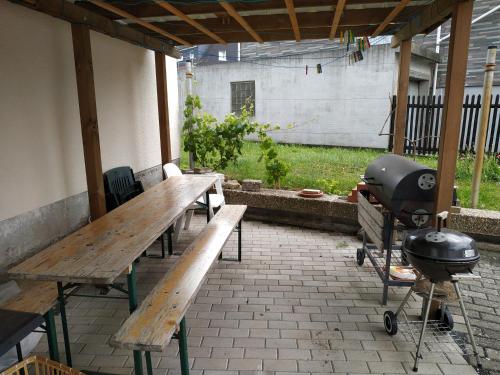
x=442, y=246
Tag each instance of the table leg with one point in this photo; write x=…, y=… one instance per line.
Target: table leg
x=207, y=201
x=239, y=240
x=149, y=365
x=169, y=241
x=50, y=327
x=64, y=321
x=183, y=350
x=132, y=304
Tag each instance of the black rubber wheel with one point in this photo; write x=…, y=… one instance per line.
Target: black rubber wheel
x=360, y=256
x=446, y=318
x=390, y=323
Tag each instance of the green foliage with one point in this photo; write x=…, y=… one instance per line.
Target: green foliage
x=276, y=169
x=214, y=145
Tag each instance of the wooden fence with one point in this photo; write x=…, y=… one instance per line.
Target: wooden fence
x=423, y=122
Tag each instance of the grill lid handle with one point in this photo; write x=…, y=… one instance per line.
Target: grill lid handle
x=442, y=219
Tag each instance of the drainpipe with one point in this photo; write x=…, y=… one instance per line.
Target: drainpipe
x=489, y=70
x=436, y=66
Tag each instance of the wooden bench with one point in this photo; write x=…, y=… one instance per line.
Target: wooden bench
x=38, y=297
x=160, y=317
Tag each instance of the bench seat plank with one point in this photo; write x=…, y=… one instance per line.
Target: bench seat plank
x=36, y=297
x=151, y=326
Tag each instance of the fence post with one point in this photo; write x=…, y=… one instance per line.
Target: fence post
x=489, y=70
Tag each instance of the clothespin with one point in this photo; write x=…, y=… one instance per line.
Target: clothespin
x=307, y=68
x=341, y=37
x=367, y=42
x=319, y=69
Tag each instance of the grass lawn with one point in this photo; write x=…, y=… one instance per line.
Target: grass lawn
x=336, y=170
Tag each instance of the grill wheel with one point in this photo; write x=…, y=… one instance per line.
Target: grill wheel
x=390, y=323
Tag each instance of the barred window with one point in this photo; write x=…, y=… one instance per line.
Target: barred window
x=242, y=93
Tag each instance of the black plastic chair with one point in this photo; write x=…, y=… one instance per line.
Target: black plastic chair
x=120, y=186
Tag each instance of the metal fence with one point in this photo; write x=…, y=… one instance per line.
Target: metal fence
x=423, y=123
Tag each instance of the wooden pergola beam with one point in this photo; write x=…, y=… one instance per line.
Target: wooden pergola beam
x=391, y=16
x=293, y=19
x=402, y=97
x=147, y=25
x=427, y=20
x=88, y=119
x=170, y=8
x=67, y=11
x=339, y=9
x=233, y=13
x=162, y=96
x=453, y=102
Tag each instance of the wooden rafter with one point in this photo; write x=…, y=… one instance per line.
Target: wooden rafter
x=147, y=25
x=293, y=19
x=233, y=13
x=397, y=9
x=336, y=18
x=427, y=20
x=64, y=10
x=169, y=7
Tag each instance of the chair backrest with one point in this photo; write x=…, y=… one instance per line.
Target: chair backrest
x=120, y=186
x=170, y=169
x=118, y=179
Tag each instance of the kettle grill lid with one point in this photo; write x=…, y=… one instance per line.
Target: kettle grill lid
x=445, y=245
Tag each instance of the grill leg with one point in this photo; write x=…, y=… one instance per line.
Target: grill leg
x=467, y=323
x=387, y=276
x=424, y=326
x=403, y=303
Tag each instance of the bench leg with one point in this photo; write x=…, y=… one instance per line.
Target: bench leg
x=183, y=349
x=50, y=327
x=132, y=304
x=149, y=365
x=64, y=321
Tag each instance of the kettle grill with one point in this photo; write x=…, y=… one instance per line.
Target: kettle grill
x=438, y=254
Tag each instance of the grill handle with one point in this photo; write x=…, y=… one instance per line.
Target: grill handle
x=367, y=181
x=442, y=219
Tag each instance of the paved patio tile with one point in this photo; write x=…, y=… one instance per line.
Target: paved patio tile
x=297, y=304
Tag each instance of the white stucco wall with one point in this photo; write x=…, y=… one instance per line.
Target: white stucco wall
x=41, y=153
x=346, y=105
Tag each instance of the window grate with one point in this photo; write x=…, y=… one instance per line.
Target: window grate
x=243, y=93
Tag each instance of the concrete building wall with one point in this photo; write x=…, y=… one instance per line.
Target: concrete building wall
x=346, y=105
x=42, y=173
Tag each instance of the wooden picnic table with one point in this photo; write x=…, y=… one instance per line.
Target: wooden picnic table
x=101, y=251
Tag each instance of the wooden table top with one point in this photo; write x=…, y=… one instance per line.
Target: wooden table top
x=100, y=251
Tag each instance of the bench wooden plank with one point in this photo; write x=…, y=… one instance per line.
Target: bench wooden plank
x=35, y=297
x=100, y=251
x=365, y=206
x=152, y=325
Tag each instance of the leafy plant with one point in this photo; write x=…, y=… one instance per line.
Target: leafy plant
x=276, y=169
x=214, y=145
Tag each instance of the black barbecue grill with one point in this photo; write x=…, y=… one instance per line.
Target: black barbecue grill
x=404, y=187
x=438, y=254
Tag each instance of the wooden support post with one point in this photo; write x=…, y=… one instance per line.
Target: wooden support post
x=453, y=102
x=88, y=119
x=489, y=70
x=161, y=89
x=402, y=97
